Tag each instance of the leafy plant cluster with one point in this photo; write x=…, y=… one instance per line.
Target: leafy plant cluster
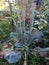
x=25, y=38
x=4, y=30
x=45, y=7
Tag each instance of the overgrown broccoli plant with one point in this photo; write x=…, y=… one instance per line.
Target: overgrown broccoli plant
x=24, y=35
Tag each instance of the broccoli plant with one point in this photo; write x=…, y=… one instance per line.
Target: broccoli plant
x=25, y=36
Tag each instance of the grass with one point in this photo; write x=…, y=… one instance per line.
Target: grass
x=0, y=62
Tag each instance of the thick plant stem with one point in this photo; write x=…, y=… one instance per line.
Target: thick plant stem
x=25, y=59
x=10, y=7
